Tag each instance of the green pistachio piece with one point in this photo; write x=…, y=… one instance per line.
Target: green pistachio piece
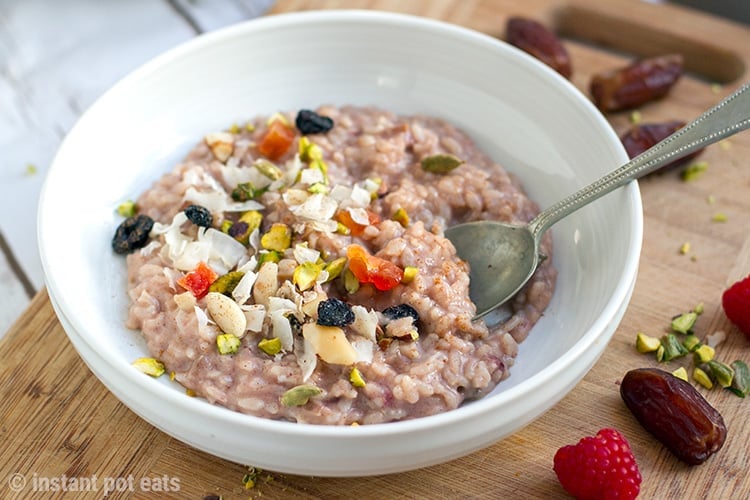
x=268, y=169
x=127, y=209
x=268, y=256
x=270, y=346
x=150, y=366
x=722, y=373
x=691, y=342
x=410, y=272
x=278, y=238
x=351, y=283
x=673, y=348
x=305, y=274
x=247, y=191
x=226, y=283
x=684, y=322
x=702, y=378
x=300, y=395
x=227, y=343
x=441, y=163
x=355, y=377
x=645, y=343
x=741, y=381
x=681, y=373
x=704, y=354
x=335, y=267
x=694, y=170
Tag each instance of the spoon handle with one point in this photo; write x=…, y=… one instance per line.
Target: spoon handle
x=730, y=116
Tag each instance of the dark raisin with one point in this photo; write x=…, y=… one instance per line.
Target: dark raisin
x=310, y=122
x=401, y=311
x=238, y=229
x=334, y=312
x=200, y=216
x=132, y=233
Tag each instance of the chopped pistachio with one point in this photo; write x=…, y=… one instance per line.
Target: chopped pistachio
x=401, y=217
x=268, y=256
x=720, y=217
x=681, y=373
x=645, y=343
x=127, y=209
x=234, y=128
x=342, y=229
x=247, y=191
x=226, y=225
x=672, y=347
x=711, y=199
x=702, y=378
x=250, y=478
x=694, y=170
x=268, y=169
x=704, y=354
x=227, y=343
x=305, y=274
x=300, y=395
x=722, y=373
x=226, y=283
x=698, y=309
x=322, y=166
x=31, y=169
x=309, y=151
x=335, y=267
x=355, y=377
x=441, y=163
x=660, y=353
x=684, y=322
x=150, y=366
x=270, y=346
x=635, y=117
x=410, y=272
x=250, y=127
x=685, y=248
x=741, y=381
x=190, y=393
x=172, y=376
x=318, y=188
x=691, y=342
x=351, y=283
x=247, y=223
x=278, y=238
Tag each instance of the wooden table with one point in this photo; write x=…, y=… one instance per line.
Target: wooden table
x=60, y=426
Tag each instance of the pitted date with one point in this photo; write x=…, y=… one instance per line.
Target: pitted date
x=643, y=81
x=534, y=38
x=641, y=137
x=675, y=413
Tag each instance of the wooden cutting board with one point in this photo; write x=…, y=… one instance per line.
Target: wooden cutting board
x=60, y=426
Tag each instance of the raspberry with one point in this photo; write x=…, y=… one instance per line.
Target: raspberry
x=736, y=303
x=599, y=467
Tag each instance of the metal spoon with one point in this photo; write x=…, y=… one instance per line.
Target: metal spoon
x=504, y=256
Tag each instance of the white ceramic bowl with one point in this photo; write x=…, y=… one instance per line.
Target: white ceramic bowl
x=520, y=112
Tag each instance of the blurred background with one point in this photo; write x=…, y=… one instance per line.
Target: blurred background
x=58, y=56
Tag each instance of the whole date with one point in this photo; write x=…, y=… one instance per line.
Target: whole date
x=640, y=82
x=675, y=413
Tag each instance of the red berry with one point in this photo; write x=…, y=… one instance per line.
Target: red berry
x=599, y=467
x=736, y=303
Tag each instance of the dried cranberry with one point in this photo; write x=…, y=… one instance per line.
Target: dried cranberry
x=198, y=215
x=310, y=122
x=334, y=312
x=401, y=311
x=132, y=233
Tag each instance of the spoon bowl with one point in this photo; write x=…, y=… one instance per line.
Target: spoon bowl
x=502, y=257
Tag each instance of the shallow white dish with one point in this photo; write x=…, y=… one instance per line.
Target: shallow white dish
x=555, y=142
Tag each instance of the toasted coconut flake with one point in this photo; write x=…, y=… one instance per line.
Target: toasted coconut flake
x=221, y=144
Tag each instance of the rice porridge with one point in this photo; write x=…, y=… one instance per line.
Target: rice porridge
x=295, y=268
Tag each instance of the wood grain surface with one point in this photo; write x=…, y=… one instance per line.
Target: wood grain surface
x=58, y=421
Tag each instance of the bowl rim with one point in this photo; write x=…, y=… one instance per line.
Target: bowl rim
x=485, y=405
